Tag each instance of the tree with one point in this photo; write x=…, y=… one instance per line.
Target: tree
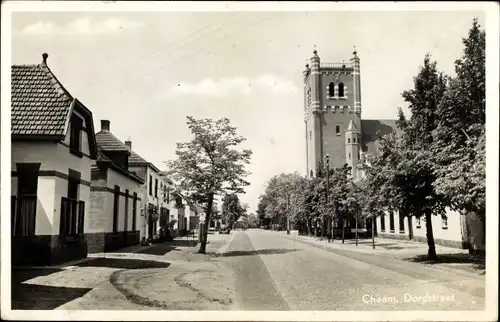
x=460, y=135
x=263, y=219
x=210, y=165
x=343, y=204
x=413, y=176
x=232, y=209
x=284, y=196
x=253, y=221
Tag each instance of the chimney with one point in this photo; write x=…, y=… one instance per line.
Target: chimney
x=104, y=125
x=128, y=144
x=44, y=59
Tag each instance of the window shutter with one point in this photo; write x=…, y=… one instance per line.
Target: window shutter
x=63, y=216
x=13, y=208
x=134, y=211
x=81, y=217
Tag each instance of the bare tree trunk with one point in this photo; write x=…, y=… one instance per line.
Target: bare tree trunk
x=204, y=239
x=343, y=230
x=482, y=217
x=356, y=228
x=431, y=254
x=373, y=231
x=331, y=228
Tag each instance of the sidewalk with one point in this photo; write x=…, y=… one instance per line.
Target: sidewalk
x=412, y=251
x=136, y=277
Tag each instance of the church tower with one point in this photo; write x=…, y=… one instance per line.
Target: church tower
x=332, y=102
x=352, y=147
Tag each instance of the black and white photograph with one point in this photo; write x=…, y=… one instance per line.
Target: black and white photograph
x=267, y=161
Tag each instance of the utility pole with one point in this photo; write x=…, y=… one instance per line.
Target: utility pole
x=373, y=231
x=327, y=161
x=356, y=227
x=288, y=213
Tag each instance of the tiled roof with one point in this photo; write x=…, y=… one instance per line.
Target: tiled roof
x=40, y=105
x=108, y=142
x=134, y=158
x=369, y=130
x=101, y=157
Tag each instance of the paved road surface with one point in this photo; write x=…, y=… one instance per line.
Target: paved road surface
x=275, y=272
x=248, y=270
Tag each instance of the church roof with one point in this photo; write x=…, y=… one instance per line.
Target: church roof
x=352, y=127
x=369, y=129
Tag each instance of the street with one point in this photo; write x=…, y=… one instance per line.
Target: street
x=249, y=270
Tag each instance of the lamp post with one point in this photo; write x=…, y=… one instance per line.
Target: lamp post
x=327, y=162
x=288, y=213
x=357, y=213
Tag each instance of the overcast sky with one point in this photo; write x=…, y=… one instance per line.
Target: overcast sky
x=146, y=72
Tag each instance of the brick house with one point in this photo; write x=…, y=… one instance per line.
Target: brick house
x=53, y=148
x=115, y=196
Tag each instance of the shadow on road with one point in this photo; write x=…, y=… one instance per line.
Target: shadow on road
x=163, y=248
x=256, y=252
x=478, y=261
x=42, y=297
x=26, y=296
x=123, y=263
x=21, y=275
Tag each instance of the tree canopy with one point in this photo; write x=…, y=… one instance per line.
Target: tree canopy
x=210, y=164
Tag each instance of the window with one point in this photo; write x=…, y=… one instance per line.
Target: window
x=341, y=90
x=418, y=222
x=310, y=135
x=337, y=130
x=24, y=207
x=72, y=211
x=349, y=156
x=75, y=141
x=444, y=222
x=134, y=211
x=348, y=140
x=116, y=207
x=72, y=218
x=156, y=188
x=150, y=185
x=382, y=222
x=391, y=221
x=331, y=90
x=401, y=223
x=353, y=140
x=126, y=211
x=311, y=174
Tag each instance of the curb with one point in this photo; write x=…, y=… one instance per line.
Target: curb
x=445, y=268
x=225, y=247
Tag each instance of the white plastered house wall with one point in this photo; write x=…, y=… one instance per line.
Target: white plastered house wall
x=54, y=157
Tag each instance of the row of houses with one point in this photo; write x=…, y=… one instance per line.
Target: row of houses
x=75, y=190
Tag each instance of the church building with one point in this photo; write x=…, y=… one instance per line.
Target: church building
x=332, y=116
x=334, y=127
